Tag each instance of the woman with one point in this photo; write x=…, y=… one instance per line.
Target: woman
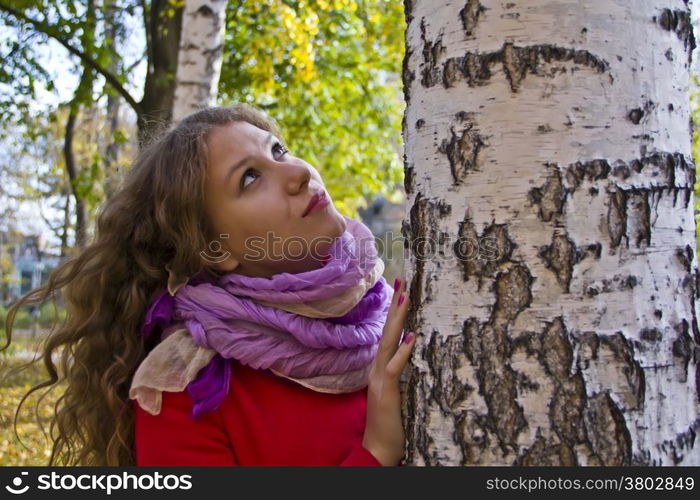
x=226, y=314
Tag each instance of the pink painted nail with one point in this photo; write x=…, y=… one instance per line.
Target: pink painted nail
x=407, y=339
x=397, y=283
x=401, y=297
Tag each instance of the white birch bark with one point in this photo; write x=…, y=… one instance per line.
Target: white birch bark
x=200, y=56
x=553, y=137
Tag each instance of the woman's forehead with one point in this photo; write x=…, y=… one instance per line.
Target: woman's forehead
x=241, y=131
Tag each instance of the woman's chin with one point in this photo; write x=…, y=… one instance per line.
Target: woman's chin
x=342, y=223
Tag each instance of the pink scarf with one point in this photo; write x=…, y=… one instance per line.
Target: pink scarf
x=319, y=328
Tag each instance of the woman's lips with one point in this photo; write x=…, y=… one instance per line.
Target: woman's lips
x=318, y=201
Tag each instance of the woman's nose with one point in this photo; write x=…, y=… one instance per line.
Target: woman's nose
x=297, y=176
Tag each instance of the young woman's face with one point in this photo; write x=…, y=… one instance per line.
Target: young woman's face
x=256, y=197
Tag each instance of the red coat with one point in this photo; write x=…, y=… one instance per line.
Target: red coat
x=264, y=420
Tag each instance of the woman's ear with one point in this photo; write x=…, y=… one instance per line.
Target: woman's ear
x=218, y=256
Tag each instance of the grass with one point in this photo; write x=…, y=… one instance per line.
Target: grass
x=32, y=447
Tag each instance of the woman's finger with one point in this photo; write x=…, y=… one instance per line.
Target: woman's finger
x=397, y=363
x=396, y=318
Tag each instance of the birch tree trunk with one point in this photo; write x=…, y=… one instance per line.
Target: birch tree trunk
x=550, y=233
x=200, y=56
x=114, y=146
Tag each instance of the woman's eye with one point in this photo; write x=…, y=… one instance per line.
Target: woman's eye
x=280, y=148
x=248, y=173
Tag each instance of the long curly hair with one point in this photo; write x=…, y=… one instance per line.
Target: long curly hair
x=156, y=219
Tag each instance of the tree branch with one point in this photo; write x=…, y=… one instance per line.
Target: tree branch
x=145, y=14
x=46, y=29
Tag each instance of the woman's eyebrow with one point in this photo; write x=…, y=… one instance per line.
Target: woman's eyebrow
x=245, y=160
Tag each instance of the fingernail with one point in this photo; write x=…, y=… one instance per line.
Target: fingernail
x=401, y=297
x=397, y=283
x=407, y=339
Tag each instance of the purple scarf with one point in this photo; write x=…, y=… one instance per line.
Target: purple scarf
x=228, y=316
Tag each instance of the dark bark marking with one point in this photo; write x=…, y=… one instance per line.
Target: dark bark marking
x=408, y=11
x=469, y=14
x=443, y=208
x=421, y=237
x=560, y=256
x=636, y=115
x=471, y=338
x=469, y=446
x=481, y=256
x=629, y=209
x=685, y=257
x=683, y=345
x=429, y=288
x=447, y=390
x=462, y=150
x=566, y=409
x=475, y=68
x=618, y=282
x=622, y=351
x=569, y=399
x=621, y=170
x=409, y=181
x=678, y=21
x=497, y=381
x=551, y=196
x=607, y=431
x=662, y=164
x=620, y=355
x=683, y=441
x=431, y=53
x=513, y=294
x=638, y=216
x=594, y=248
x=554, y=351
x=407, y=76
x=466, y=249
x=617, y=217
x=591, y=171
x=415, y=232
x=525, y=383
x=590, y=343
x=546, y=452
x=418, y=440
x=443, y=236
x=205, y=11
x=487, y=348
x=651, y=334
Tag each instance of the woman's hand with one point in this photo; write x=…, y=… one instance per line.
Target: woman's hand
x=384, y=433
